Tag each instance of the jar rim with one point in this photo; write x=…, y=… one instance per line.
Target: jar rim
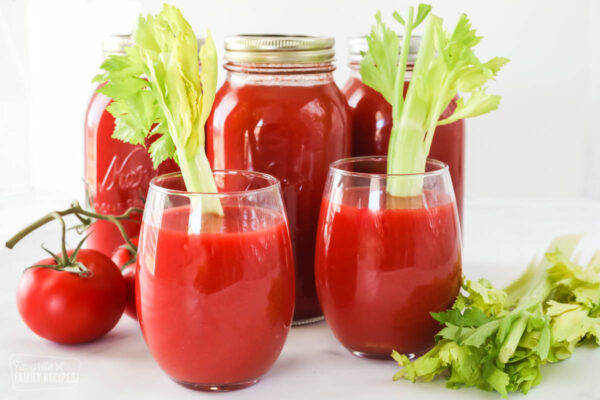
x=270, y=183
x=358, y=44
x=439, y=168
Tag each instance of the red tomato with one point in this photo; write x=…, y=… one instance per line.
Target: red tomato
x=120, y=257
x=68, y=308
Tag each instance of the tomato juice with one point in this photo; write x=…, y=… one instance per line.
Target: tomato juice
x=380, y=271
x=215, y=307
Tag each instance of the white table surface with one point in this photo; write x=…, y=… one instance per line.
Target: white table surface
x=501, y=236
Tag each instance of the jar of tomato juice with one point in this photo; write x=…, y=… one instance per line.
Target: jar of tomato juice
x=372, y=120
x=281, y=113
x=117, y=174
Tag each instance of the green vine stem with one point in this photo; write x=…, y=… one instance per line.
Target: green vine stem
x=65, y=262
x=85, y=217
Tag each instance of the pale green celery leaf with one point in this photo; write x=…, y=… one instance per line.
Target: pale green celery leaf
x=161, y=149
x=574, y=283
x=496, y=378
x=594, y=331
x=469, y=317
x=464, y=363
x=478, y=103
x=398, y=18
x=379, y=63
x=473, y=77
x=524, y=374
x=123, y=88
x=208, y=77
x=181, y=102
x=128, y=131
x=425, y=367
x=537, y=319
x=464, y=35
x=561, y=351
x=554, y=308
x=571, y=326
x=530, y=339
x=450, y=332
x=477, y=337
x=594, y=263
x=565, y=244
x=483, y=296
x=535, y=271
x=422, y=13
x=145, y=34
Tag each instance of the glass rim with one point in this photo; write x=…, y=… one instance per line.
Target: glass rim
x=442, y=168
x=272, y=183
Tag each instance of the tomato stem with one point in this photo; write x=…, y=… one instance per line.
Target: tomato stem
x=63, y=230
x=80, y=213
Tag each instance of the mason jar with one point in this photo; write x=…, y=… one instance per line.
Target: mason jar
x=281, y=113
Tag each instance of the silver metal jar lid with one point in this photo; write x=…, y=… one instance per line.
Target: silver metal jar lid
x=279, y=49
x=115, y=44
x=358, y=44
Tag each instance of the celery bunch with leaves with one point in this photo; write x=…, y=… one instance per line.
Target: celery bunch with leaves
x=158, y=88
x=498, y=339
x=445, y=66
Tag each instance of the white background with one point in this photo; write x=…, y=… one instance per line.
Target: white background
x=543, y=142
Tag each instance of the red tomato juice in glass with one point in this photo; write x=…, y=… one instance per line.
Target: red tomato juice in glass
x=380, y=272
x=215, y=307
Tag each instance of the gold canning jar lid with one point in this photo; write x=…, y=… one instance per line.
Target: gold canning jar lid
x=358, y=44
x=279, y=49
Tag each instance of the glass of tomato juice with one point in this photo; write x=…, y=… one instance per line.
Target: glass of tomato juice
x=215, y=293
x=384, y=263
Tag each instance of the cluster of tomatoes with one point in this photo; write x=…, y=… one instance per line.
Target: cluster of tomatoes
x=80, y=298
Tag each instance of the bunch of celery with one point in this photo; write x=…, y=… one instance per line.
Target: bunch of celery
x=445, y=66
x=159, y=88
x=498, y=339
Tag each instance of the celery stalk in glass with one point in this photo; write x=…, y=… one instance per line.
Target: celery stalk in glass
x=157, y=89
x=445, y=66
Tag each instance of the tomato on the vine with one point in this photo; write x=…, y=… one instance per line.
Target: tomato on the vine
x=73, y=303
x=122, y=256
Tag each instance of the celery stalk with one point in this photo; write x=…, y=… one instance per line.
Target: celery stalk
x=173, y=101
x=445, y=66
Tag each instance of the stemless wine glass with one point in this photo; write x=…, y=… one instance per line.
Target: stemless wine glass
x=383, y=262
x=215, y=293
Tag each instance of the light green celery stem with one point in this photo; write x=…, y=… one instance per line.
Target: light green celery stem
x=537, y=294
x=440, y=105
x=401, y=70
x=519, y=287
x=198, y=177
x=400, y=161
x=512, y=340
